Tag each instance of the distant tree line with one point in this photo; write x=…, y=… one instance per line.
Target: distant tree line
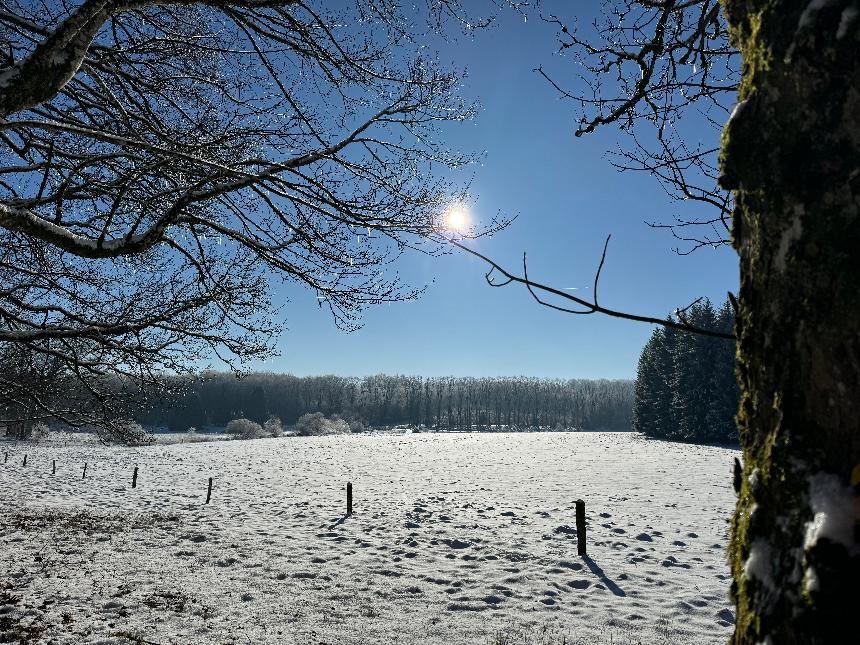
x=444, y=403
x=685, y=385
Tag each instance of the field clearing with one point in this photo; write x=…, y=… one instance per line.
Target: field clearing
x=455, y=538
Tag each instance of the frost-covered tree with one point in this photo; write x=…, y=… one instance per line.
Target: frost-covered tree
x=244, y=429
x=273, y=428
x=315, y=424
x=380, y=400
x=161, y=160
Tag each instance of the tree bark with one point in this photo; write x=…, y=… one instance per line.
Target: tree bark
x=791, y=153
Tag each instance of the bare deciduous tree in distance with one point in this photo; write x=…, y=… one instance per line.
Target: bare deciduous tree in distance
x=790, y=154
x=161, y=160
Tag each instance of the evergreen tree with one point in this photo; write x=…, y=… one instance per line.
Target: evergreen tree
x=685, y=386
x=647, y=389
x=665, y=368
x=724, y=385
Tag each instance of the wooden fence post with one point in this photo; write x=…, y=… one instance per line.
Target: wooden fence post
x=53, y=466
x=134, y=478
x=209, y=492
x=5, y=457
x=85, y=471
x=349, y=498
x=580, y=526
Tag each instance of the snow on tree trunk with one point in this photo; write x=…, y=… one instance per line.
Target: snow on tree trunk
x=791, y=153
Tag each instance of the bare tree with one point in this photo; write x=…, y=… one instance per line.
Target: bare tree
x=30, y=389
x=655, y=69
x=160, y=160
x=652, y=69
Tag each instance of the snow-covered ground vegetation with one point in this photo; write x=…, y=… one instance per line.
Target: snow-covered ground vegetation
x=315, y=424
x=455, y=538
x=244, y=429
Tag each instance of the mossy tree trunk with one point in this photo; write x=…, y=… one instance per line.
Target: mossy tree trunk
x=791, y=153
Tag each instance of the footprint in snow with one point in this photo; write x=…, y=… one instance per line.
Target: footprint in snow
x=564, y=529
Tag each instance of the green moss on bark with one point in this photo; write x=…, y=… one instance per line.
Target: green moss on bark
x=791, y=156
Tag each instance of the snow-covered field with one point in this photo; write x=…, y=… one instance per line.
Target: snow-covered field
x=455, y=538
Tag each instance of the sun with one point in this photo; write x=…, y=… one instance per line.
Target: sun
x=457, y=219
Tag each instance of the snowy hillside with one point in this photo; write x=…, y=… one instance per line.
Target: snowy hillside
x=455, y=538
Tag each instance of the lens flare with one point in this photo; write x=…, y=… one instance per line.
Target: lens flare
x=457, y=219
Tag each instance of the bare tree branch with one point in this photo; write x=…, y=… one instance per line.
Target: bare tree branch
x=161, y=162
x=656, y=70
x=587, y=307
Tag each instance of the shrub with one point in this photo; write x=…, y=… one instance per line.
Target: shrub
x=40, y=431
x=355, y=423
x=126, y=432
x=245, y=429
x=315, y=424
x=273, y=428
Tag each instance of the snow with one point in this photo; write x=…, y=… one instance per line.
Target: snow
x=849, y=15
x=754, y=479
x=739, y=107
x=809, y=13
x=11, y=213
x=455, y=538
x=832, y=506
x=758, y=564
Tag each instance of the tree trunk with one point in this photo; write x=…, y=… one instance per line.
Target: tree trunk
x=791, y=153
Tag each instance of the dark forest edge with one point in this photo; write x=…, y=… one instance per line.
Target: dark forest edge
x=442, y=403
x=685, y=390
x=685, y=386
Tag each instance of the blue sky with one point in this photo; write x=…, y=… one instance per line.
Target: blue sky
x=567, y=198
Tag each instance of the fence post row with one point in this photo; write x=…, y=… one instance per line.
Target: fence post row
x=580, y=504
